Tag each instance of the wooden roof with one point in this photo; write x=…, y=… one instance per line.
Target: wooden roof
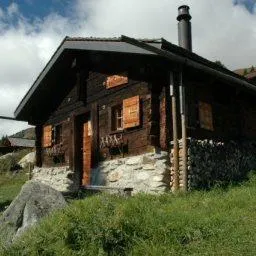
x=20, y=142
x=160, y=48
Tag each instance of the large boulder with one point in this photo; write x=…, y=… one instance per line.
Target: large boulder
x=35, y=201
x=27, y=159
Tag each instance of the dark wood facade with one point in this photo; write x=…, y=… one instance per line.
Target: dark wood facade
x=104, y=105
x=89, y=100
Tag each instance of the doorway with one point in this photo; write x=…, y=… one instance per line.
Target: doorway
x=84, y=148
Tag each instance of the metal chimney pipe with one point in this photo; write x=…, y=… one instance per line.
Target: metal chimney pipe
x=184, y=27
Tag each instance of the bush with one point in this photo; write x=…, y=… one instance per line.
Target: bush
x=10, y=162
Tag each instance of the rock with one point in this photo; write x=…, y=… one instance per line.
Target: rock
x=157, y=184
x=147, y=160
x=134, y=160
x=158, y=178
x=29, y=158
x=6, y=155
x=148, y=167
x=60, y=178
x=141, y=176
x=114, y=176
x=36, y=200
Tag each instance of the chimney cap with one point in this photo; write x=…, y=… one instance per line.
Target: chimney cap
x=183, y=13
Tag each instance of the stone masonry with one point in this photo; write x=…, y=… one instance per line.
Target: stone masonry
x=60, y=178
x=148, y=173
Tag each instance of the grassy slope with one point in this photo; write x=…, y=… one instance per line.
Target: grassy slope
x=10, y=186
x=201, y=223
x=10, y=183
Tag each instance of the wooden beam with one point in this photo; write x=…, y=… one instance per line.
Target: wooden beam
x=39, y=132
x=173, y=93
x=183, y=131
x=95, y=134
x=10, y=118
x=72, y=144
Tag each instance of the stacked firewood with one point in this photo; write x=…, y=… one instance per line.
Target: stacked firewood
x=215, y=163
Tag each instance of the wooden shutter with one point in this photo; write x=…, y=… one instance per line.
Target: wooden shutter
x=47, y=136
x=205, y=116
x=131, y=112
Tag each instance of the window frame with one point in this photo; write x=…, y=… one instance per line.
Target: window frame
x=113, y=119
x=113, y=128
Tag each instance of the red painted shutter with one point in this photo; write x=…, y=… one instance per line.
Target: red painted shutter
x=131, y=112
x=47, y=136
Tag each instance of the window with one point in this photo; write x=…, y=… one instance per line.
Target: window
x=126, y=115
x=117, y=118
x=47, y=136
x=52, y=135
x=205, y=116
x=58, y=134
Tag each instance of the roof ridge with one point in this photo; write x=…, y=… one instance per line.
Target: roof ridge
x=118, y=39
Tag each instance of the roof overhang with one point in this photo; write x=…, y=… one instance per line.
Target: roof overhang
x=114, y=46
x=175, y=54
x=186, y=58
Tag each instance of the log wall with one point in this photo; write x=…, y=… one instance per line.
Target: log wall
x=88, y=95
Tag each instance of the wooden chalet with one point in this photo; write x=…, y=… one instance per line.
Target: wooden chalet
x=12, y=144
x=103, y=98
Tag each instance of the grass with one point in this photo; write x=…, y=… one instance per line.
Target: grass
x=217, y=222
x=11, y=181
x=10, y=185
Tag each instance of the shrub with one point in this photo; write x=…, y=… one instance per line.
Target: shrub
x=10, y=162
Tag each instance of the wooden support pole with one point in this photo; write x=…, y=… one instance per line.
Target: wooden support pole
x=184, y=132
x=95, y=133
x=38, y=144
x=173, y=94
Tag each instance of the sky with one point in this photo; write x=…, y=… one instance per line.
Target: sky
x=31, y=30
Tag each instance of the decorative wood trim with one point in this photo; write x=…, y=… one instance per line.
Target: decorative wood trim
x=115, y=80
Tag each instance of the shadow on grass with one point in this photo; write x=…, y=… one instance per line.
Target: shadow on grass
x=4, y=205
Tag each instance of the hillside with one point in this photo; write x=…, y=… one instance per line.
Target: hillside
x=28, y=133
x=218, y=222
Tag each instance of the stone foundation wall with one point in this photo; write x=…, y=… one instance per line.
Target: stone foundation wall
x=60, y=178
x=148, y=173
x=213, y=163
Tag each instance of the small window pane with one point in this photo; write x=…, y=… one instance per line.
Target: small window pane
x=117, y=118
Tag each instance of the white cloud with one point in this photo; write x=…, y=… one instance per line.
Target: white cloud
x=12, y=9
x=221, y=31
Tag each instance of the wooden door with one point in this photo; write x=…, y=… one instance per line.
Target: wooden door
x=86, y=152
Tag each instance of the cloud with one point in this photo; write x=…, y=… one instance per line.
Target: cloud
x=12, y=9
x=222, y=30
x=250, y=5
